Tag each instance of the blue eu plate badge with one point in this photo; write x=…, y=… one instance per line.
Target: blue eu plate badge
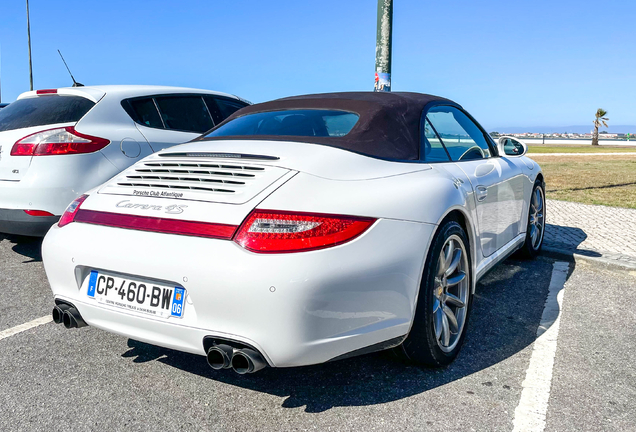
x=177, y=302
x=92, y=283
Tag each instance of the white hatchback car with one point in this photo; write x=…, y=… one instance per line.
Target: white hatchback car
x=56, y=144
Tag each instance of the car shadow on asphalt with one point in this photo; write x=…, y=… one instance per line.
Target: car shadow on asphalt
x=507, y=309
x=30, y=247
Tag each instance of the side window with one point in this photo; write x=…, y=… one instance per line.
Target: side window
x=433, y=148
x=228, y=107
x=214, y=109
x=463, y=139
x=222, y=108
x=146, y=113
x=184, y=113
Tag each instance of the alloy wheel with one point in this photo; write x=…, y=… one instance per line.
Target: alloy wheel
x=537, y=218
x=451, y=293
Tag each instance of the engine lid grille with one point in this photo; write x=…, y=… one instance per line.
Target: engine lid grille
x=235, y=182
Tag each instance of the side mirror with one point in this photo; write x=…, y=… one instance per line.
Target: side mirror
x=509, y=146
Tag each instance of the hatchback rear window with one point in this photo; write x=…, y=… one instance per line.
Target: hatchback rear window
x=43, y=110
x=305, y=123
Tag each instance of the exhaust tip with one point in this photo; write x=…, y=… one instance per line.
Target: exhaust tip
x=68, y=320
x=247, y=361
x=72, y=319
x=58, y=313
x=220, y=356
x=240, y=363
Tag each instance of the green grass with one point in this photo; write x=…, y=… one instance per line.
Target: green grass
x=603, y=180
x=568, y=148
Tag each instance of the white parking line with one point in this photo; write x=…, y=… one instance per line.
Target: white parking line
x=26, y=326
x=531, y=412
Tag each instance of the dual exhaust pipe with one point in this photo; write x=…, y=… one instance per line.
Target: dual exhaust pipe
x=68, y=315
x=242, y=361
x=221, y=356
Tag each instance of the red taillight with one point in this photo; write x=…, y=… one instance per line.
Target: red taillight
x=46, y=91
x=155, y=224
x=38, y=213
x=269, y=231
x=71, y=211
x=22, y=149
x=58, y=141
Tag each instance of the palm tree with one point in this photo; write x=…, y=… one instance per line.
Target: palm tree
x=598, y=121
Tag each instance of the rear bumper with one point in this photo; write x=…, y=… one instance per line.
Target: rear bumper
x=19, y=223
x=296, y=309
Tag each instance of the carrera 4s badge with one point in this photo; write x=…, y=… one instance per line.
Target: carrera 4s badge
x=171, y=209
x=175, y=209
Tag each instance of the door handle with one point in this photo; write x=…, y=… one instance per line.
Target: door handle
x=482, y=193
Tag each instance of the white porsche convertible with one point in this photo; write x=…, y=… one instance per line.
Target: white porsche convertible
x=300, y=231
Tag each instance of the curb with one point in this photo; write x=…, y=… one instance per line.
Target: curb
x=568, y=254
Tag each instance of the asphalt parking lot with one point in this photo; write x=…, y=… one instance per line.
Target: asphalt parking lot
x=52, y=378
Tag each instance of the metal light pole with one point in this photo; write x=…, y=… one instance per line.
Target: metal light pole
x=383, y=46
x=1, y=74
x=29, y=37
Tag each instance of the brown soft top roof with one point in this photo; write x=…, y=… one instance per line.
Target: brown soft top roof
x=388, y=128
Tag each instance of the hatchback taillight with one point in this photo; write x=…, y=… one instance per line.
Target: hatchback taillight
x=71, y=211
x=38, y=213
x=269, y=231
x=58, y=141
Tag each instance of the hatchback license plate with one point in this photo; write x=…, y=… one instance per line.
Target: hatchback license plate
x=137, y=296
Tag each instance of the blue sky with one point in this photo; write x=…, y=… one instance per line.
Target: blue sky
x=509, y=63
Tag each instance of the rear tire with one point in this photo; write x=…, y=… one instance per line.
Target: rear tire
x=535, y=229
x=444, y=301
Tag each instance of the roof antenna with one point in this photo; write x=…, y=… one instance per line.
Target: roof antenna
x=75, y=83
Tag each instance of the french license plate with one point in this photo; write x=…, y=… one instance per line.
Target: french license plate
x=141, y=297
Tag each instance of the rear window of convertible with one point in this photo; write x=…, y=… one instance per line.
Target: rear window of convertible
x=303, y=123
x=43, y=110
